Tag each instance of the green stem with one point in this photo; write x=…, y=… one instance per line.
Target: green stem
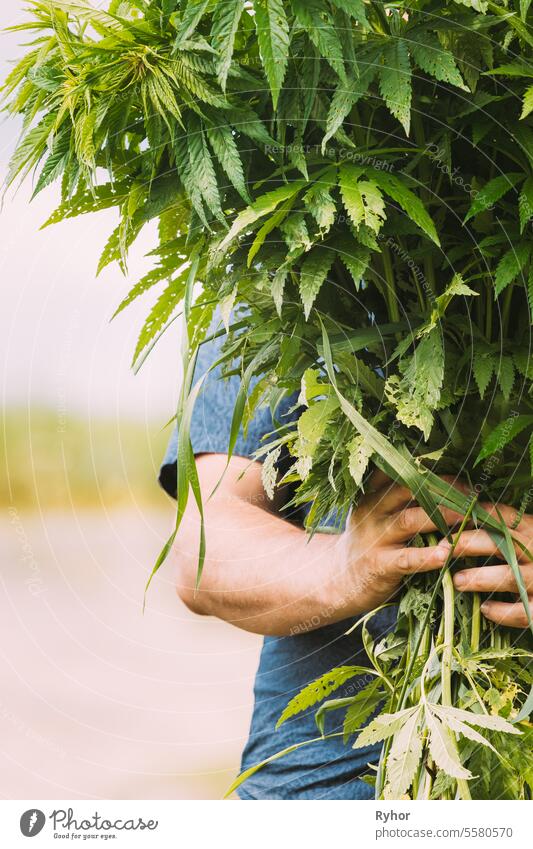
x=488, y=310
x=446, y=699
x=476, y=622
x=447, y=653
x=506, y=311
x=446, y=667
x=424, y=626
x=436, y=588
x=425, y=179
x=392, y=300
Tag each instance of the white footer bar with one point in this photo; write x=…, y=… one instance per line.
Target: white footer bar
x=268, y=825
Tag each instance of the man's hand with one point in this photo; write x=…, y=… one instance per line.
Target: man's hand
x=265, y=575
x=373, y=555
x=498, y=578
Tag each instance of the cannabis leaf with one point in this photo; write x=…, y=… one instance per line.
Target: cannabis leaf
x=314, y=271
x=395, y=82
x=272, y=29
x=320, y=689
x=404, y=757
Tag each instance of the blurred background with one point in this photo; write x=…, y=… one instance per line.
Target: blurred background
x=97, y=700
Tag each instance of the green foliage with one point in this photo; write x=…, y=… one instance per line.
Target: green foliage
x=319, y=690
x=321, y=170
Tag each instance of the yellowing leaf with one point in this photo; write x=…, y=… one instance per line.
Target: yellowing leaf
x=443, y=749
x=383, y=727
x=404, y=758
x=313, y=422
x=359, y=454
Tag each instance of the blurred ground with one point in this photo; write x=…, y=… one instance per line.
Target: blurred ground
x=97, y=700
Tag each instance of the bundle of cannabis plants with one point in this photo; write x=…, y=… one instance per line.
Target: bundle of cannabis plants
x=349, y=185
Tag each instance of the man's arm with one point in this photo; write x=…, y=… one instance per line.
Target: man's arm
x=265, y=575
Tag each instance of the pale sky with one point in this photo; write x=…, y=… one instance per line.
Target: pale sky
x=57, y=346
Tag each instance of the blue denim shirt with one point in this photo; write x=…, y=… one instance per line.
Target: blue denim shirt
x=324, y=770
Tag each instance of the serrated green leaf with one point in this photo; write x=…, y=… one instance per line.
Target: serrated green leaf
x=442, y=785
x=374, y=206
x=226, y=17
x=225, y=149
x=354, y=8
x=313, y=17
x=530, y=292
x=396, y=188
x=434, y=59
x=272, y=29
x=264, y=205
x=505, y=373
x=30, y=149
x=502, y=435
x=101, y=197
x=525, y=203
x=457, y=287
x=56, y=162
x=278, y=287
x=510, y=266
x=395, y=82
x=527, y=105
x=416, y=393
x=398, y=465
x=295, y=233
x=492, y=192
x=313, y=423
x=362, y=706
x=351, y=193
x=484, y=366
x=355, y=257
x=346, y=96
x=319, y=203
x=159, y=315
x=313, y=273
x=275, y=220
x=191, y=16
x=202, y=168
x=319, y=690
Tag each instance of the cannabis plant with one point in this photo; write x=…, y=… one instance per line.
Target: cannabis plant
x=349, y=184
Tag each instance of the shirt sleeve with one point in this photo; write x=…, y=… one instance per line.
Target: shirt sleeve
x=212, y=415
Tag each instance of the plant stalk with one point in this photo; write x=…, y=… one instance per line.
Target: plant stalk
x=447, y=656
x=476, y=622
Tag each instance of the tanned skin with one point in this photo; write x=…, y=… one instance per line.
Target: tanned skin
x=263, y=574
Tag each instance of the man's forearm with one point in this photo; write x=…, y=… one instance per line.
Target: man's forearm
x=261, y=573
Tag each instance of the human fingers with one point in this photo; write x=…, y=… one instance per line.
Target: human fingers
x=479, y=543
x=475, y=543
x=389, y=498
x=406, y=523
x=491, y=579
x=398, y=562
x=511, y=614
x=501, y=511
